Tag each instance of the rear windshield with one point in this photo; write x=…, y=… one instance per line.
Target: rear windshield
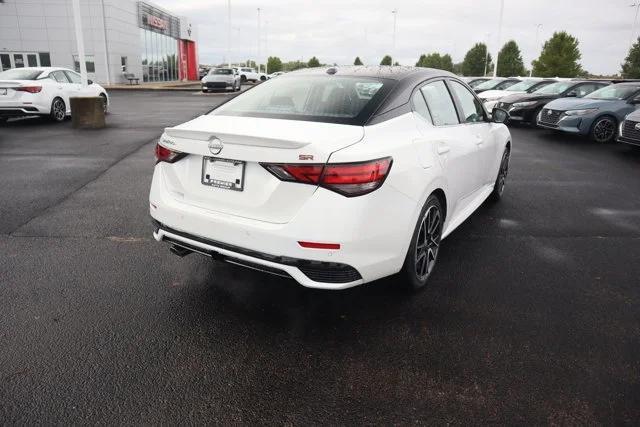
x=613, y=92
x=18, y=74
x=221, y=71
x=331, y=99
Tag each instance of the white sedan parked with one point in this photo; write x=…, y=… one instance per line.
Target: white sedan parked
x=43, y=91
x=333, y=177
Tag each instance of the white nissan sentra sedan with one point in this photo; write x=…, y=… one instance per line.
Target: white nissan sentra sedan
x=331, y=176
x=43, y=91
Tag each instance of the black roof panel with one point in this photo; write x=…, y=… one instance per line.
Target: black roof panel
x=380, y=71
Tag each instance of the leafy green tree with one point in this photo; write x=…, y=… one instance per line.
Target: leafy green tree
x=386, y=60
x=357, y=61
x=475, y=59
x=510, y=60
x=313, y=62
x=293, y=65
x=559, y=57
x=274, y=64
x=631, y=66
x=435, y=60
x=396, y=63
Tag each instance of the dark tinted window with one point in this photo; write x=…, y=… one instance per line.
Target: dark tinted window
x=20, y=74
x=440, y=104
x=332, y=99
x=420, y=106
x=5, y=60
x=472, y=110
x=45, y=59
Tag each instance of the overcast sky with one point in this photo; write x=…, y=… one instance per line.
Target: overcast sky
x=338, y=30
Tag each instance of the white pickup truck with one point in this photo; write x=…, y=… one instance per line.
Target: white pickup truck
x=250, y=74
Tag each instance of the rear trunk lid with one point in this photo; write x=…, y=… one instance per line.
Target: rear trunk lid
x=250, y=141
x=8, y=92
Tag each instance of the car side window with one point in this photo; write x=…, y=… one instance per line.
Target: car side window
x=585, y=89
x=73, y=77
x=472, y=110
x=420, y=106
x=443, y=111
x=59, y=77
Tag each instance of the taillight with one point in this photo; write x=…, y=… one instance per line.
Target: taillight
x=30, y=89
x=348, y=179
x=163, y=154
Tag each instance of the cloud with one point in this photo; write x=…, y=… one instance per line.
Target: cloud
x=338, y=30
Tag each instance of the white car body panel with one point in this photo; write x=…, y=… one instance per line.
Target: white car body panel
x=43, y=100
x=271, y=216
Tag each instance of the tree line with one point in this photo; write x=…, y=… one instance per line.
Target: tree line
x=560, y=57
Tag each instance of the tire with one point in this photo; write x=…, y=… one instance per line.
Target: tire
x=105, y=104
x=263, y=78
x=425, y=243
x=58, y=110
x=604, y=129
x=205, y=91
x=239, y=88
x=498, y=187
x=243, y=78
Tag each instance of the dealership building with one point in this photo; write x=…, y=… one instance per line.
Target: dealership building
x=120, y=36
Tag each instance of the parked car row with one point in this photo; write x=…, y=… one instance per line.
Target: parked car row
x=592, y=108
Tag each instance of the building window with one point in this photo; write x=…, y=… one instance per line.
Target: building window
x=159, y=53
x=88, y=59
x=5, y=61
x=123, y=63
x=18, y=60
x=45, y=59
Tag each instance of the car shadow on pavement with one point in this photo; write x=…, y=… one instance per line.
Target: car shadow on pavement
x=274, y=302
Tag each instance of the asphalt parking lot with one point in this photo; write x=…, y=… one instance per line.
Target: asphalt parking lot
x=532, y=314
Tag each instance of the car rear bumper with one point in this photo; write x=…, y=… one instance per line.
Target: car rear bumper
x=373, y=233
x=20, y=111
x=314, y=274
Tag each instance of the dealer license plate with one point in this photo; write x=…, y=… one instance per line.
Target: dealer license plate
x=223, y=173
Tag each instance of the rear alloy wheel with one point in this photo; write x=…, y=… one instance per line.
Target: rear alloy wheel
x=498, y=187
x=105, y=104
x=425, y=244
x=604, y=130
x=58, y=110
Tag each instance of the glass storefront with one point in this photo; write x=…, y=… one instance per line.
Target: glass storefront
x=159, y=56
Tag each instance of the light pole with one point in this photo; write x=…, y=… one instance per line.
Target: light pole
x=393, y=51
x=258, y=58
x=635, y=22
x=537, y=40
x=229, y=33
x=266, y=46
x=77, y=20
x=495, y=70
x=486, y=56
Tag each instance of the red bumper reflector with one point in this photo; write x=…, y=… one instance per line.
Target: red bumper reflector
x=316, y=245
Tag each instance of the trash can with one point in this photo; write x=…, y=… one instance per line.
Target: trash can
x=87, y=112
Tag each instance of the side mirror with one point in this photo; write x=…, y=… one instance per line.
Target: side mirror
x=498, y=115
x=89, y=82
x=572, y=94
